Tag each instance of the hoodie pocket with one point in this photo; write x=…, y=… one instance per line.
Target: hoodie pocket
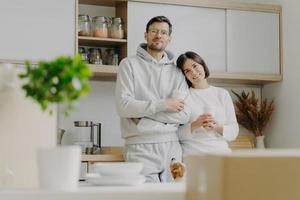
x=147, y=125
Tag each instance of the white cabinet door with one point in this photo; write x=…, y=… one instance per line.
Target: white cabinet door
x=253, y=42
x=35, y=29
x=198, y=29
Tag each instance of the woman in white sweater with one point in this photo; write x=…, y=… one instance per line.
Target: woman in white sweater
x=212, y=122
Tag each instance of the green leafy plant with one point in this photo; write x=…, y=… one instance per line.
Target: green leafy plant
x=251, y=113
x=62, y=80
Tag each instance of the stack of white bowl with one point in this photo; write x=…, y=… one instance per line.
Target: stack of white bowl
x=116, y=173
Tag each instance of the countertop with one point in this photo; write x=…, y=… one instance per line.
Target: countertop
x=102, y=158
x=108, y=154
x=147, y=191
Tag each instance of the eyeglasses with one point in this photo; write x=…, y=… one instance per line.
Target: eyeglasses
x=156, y=31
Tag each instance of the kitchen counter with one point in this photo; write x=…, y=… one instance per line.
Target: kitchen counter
x=102, y=158
x=108, y=154
x=147, y=191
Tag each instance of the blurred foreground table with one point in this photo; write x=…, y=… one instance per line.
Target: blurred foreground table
x=147, y=191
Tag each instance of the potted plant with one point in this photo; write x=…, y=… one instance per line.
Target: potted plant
x=253, y=114
x=62, y=80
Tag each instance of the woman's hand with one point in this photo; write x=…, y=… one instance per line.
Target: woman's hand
x=212, y=124
x=203, y=120
x=208, y=122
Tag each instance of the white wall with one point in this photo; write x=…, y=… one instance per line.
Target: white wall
x=284, y=130
x=97, y=106
x=35, y=29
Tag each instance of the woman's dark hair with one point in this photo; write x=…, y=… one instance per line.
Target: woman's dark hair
x=159, y=19
x=195, y=57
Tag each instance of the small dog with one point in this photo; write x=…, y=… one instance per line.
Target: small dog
x=177, y=170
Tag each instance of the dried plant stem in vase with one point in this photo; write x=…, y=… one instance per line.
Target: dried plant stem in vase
x=251, y=113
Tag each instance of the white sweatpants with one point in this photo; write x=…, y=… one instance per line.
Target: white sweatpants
x=156, y=158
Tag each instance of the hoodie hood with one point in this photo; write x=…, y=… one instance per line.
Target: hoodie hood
x=167, y=59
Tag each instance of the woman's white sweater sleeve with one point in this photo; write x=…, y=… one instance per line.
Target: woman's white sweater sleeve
x=231, y=127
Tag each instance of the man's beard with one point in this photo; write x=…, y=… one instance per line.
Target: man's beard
x=156, y=48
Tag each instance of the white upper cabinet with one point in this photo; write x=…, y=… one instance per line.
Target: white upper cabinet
x=194, y=28
x=35, y=29
x=253, y=42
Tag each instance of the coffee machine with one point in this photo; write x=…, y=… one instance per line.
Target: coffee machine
x=94, y=140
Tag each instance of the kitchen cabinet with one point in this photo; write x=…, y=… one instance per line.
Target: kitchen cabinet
x=241, y=43
x=194, y=28
x=253, y=42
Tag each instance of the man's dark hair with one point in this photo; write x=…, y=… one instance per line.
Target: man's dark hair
x=159, y=19
x=195, y=57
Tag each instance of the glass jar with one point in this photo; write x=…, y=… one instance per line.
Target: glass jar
x=115, y=59
x=100, y=27
x=84, y=25
x=83, y=54
x=117, y=30
x=109, y=23
x=107, y=56
x=95, y=56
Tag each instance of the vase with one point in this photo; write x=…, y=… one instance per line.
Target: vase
x=59, y=167
x=260, y=143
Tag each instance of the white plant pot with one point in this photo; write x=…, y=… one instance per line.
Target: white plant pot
x=260, y=143
x=59, y=167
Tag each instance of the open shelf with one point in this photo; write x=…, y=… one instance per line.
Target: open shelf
x=235, y=78
x=104, y=42
x=103, y=70
x=110, y=71
x=112, y=3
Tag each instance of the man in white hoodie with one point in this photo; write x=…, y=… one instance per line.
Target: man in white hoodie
x=149, y=95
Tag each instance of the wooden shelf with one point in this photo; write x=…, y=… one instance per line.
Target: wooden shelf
x=103, y=42
x=103, y=72
x=110, y=71
x=235, y=78
x=101, y=2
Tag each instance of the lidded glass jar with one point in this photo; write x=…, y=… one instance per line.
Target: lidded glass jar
x=84, y=25
x=95, y=56
x=109, y=23
x=117, y=30
x=83, y=54
x=100, y=27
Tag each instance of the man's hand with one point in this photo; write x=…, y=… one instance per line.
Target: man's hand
x=174, y=105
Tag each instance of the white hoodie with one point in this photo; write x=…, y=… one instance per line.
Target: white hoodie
x=143, y=85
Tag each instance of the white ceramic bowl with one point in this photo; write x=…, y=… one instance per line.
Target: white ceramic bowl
x=118, y=168
x=97, y=179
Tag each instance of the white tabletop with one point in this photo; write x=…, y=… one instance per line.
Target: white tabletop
x=147, y=191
